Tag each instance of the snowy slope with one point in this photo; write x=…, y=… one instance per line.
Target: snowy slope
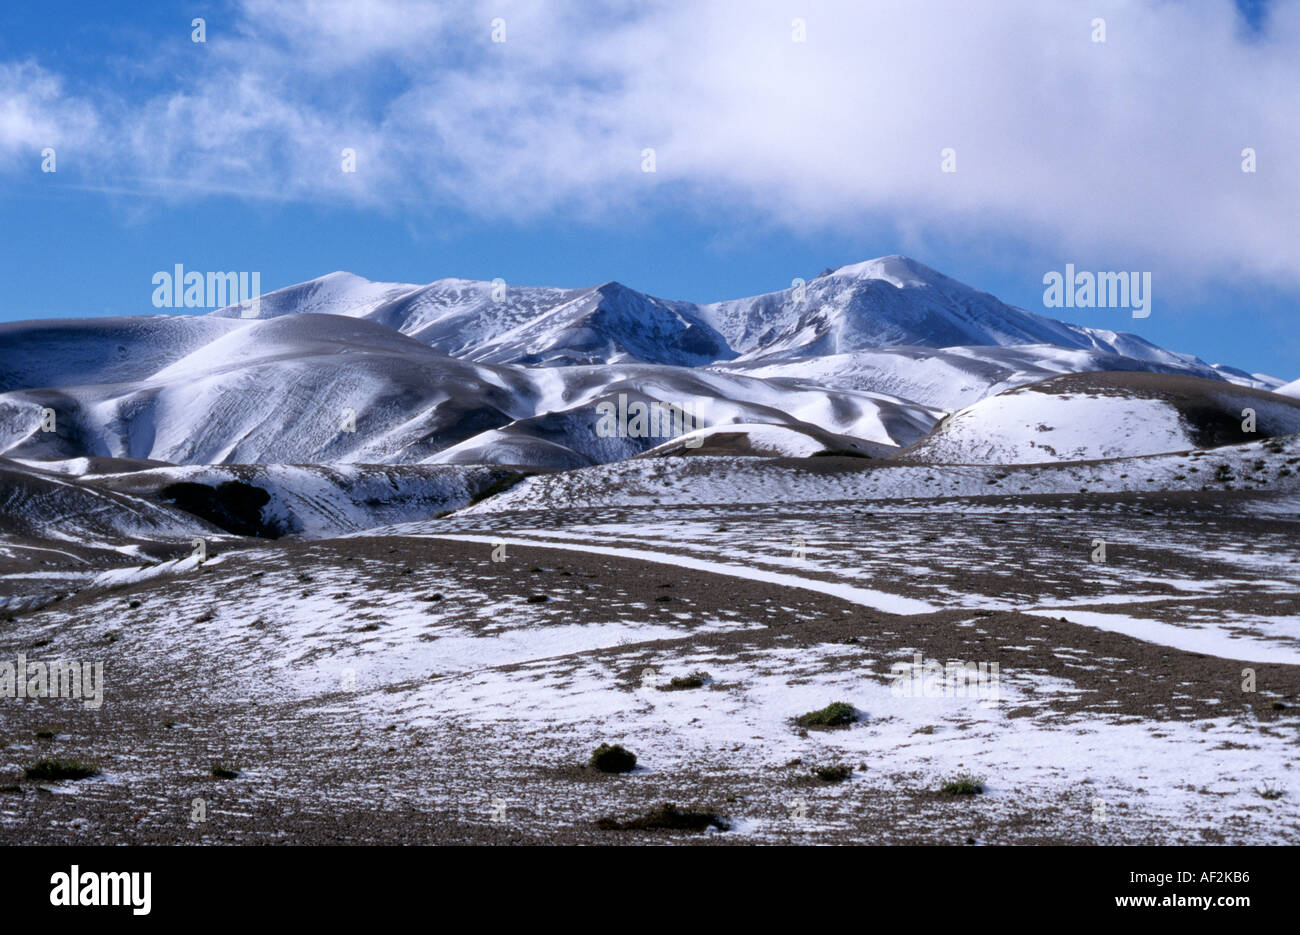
x=277, y=390
x=60, y=502
x=324, y=388
x=1257, y=466
x=951, y=377
x=77, y=351
x=1290, y=389
x=1104, y=415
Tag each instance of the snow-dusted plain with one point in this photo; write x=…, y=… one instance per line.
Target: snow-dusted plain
x=372, y=554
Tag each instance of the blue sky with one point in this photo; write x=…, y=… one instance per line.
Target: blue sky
x=774, y=158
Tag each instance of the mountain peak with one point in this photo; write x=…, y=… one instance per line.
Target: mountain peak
x=896, y=269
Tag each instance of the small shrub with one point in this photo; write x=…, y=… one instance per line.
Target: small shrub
x=837, y=773
x=55, y=769
x=963, y=784
x=47, y=733
x=613, y=759
x=223, y=771
x=667, y=817
x=684, y=682
x=1270, y=792
x=835, y=714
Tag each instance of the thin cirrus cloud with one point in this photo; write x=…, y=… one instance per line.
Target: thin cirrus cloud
x=1133, y=144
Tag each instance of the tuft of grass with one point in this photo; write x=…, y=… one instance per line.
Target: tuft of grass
x=47, y=733
x=837, y=773
x=835, y=714
x=963, y=784
x=613, y=759
x=224, y=771
x=685, y=682
x=667, y=817
x=537, y=599
x=55, y=769
x=1270, y=792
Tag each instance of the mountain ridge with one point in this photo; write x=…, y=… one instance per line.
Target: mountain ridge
x=888, y=301
x=344, y=370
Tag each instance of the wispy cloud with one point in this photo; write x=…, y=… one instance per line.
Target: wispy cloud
x=1132, y=144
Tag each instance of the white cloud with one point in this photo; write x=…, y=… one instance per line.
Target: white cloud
x=1131, y=147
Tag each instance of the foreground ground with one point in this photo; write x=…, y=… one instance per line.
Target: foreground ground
x=447, y=680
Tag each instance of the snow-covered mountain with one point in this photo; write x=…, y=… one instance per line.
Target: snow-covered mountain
x=889, y=302
x=495, y=323
x=868, y=358
x=896, y=301
x=314, y=388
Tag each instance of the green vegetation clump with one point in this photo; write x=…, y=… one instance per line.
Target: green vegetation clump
x=835, y=714
x=685, y=682
x=667, y=817
x=963, y=784
x=613, y=759
x=55, y=769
